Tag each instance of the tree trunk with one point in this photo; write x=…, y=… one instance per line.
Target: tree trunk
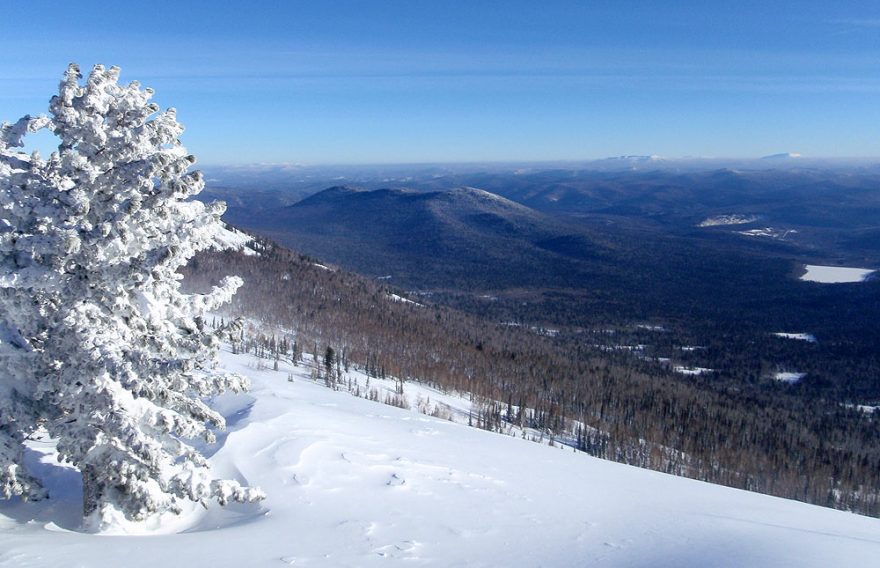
x=91, y=490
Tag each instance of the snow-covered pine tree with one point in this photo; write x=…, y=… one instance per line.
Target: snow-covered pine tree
x=98, y=345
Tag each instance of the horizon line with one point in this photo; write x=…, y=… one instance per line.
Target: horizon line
x=788, y=158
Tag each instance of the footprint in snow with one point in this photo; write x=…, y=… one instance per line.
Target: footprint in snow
x=406, y=548
x=396, y=481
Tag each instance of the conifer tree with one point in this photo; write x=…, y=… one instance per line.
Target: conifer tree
x=98, y=345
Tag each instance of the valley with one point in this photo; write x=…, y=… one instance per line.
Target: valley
x=581, y=251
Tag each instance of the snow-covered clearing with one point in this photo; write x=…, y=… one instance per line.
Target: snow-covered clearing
x=681, y=369
x=768, y=232
x=808, y=337
x=545, y=331
x=835, y=274
x=789, y=376
x=632, y=348
x=401, y=299
x=723, y=220
x=235, y=239
x=650, y=327
x=352, y=482
x=866, y=408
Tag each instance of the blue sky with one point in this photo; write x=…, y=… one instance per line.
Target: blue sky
x=417, y=81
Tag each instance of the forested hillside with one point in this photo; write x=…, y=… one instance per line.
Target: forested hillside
x=661, y=249
x=611, y=405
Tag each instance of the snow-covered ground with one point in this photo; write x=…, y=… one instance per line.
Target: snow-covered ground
x=768, y=232
x=789, y=376
x=232, y=238
x=396, y=298
x=808, y=337
x=352, y=482
x=723, y=220
x=835, y=274
x=683, y=370
x=866, y=408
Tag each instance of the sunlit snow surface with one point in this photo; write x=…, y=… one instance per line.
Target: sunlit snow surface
x=358, y=483
x=835, y=274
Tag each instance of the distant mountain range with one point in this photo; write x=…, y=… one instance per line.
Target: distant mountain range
x=436, y=239
x=783, y=156
x=562, y=227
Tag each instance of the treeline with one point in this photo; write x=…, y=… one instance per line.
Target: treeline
x=614, y=407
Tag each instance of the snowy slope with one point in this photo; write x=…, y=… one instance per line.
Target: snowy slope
x=357, y=483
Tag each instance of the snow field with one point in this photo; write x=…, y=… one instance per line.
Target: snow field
x=835, y=274
x=808, y=337
x=789, y=376
x=354, y=483
x=724, y=220
x=693, y=371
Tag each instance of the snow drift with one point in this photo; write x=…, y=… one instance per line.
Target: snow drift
x=352, y=482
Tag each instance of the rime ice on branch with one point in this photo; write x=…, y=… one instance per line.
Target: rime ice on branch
x=97, y=342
